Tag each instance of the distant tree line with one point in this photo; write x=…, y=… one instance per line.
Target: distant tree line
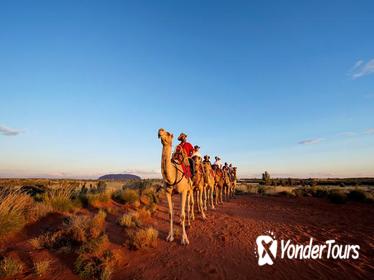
x=267, y=180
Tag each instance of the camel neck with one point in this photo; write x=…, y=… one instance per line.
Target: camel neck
x=166, y=165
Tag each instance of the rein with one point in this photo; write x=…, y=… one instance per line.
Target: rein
x=176, y=182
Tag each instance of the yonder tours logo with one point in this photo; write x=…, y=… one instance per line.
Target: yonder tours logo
x=267, y=249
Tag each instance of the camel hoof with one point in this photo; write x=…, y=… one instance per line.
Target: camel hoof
x=185, y=241
x=170, y=238
x=204, y=217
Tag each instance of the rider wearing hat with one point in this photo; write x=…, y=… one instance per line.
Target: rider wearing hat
x=187, y=150
x=218, y=162
x=196, y=152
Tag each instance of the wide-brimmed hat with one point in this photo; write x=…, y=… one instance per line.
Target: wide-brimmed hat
x=217, y=158
x=196, y=147
x=181, y=136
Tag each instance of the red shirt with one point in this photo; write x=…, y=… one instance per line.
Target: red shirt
x=187, y=147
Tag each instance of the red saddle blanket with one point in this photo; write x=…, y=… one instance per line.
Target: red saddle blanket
x=186, y=171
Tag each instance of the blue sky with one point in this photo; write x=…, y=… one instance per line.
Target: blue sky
x=283, y=86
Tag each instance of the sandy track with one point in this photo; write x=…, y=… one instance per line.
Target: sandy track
x=222, y=247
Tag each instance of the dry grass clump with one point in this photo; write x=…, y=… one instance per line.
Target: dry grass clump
x=360, y=196
x=60, y=199
x=144, y=238
x=82, y=228
x=337, y=197
x=126, y=196
x=129, y=220
x=37, y=243
x=95, y=266
x=38, y=210
x=94, y=199
x=41, y=267
x=10, y=267
x=78, y=231
x=95, y=246
x=14, y=206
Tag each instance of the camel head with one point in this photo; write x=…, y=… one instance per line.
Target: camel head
x=166, y=137
x=197, y=160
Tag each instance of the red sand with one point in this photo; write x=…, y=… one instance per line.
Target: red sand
x=222, y=247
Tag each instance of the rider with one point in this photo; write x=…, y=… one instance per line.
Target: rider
x=207, y=159
x=218, y=162
x=196, y=152
x=188, y=151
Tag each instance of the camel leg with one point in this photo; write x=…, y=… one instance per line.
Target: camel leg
x=216, y=198
x=183, y=205
x=205, y=198
x=170, y=237
x=192, y=206
x=211, y=198
x=198, y=201
x=188, y=206
x=201, y=204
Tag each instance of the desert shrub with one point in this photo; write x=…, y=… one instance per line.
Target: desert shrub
x=38, y=210
x=14, y=206
x=82, y=228
x=357, y=195
x=144, y=238
x=10, y=267
x=320, y=193
x=60, y=199
x=129, y=220
x=337, y=197
x=41, y=267
x=95, y=246
x=97, y=224
x=51, y=240
x=261, y=190
x=126, y=196
x=37, y=242
x=143, y=214
x=93, y=199
x=286, y=193
x=101, y=186
x=100, y=266
x=152, y=208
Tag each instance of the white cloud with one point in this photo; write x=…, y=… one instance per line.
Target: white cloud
x=310, y=141
x=347, y=134
x=361, y=69
x=369, y=131
x=9, y=131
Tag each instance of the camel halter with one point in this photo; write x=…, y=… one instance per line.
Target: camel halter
x=176, y=182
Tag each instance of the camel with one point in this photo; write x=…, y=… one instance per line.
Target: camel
x=219, y=181
x=209, y=184
x=174, y=179
x=233, y=181
x=227, y=184
x=198, y=188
